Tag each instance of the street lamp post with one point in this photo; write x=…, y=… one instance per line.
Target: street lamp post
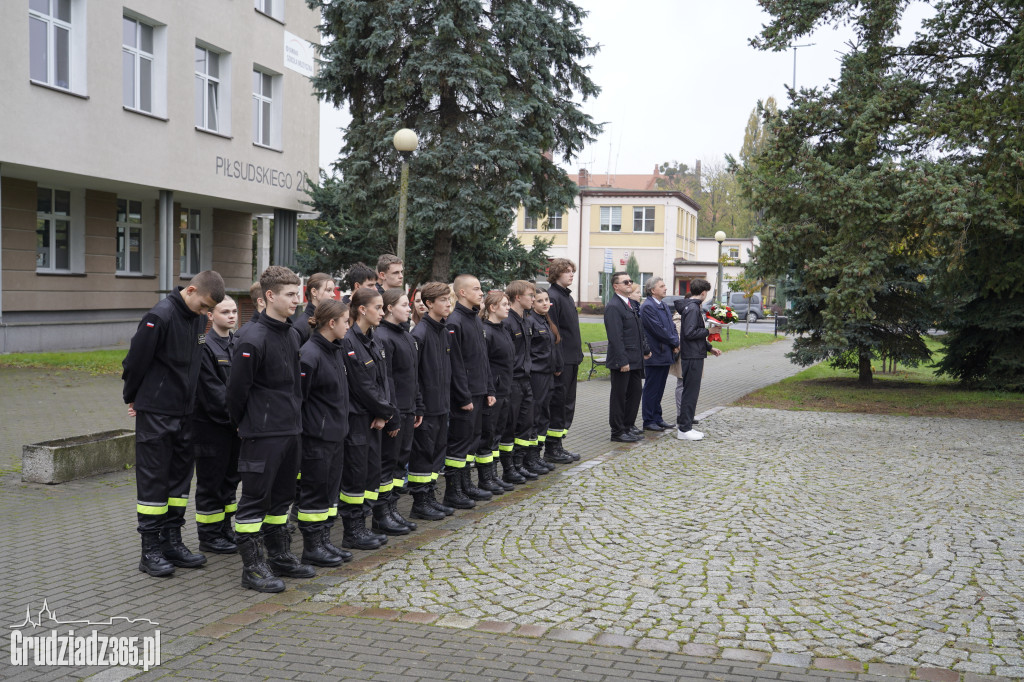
x=405, y=142
x=719, y=237
x=795, y=48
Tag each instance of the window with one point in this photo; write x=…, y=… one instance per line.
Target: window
x=643, y=219
x=129, y=237
x=49, y=33
x=272, y=8
x=555, y=222
x=137, y=61
x=265, y=6
x=262, y=107
x=529, y=221
x=732, y=253
x=611, y=218
x=53, y=230
x=207, y=89
x=644, y=276
x=190, y=243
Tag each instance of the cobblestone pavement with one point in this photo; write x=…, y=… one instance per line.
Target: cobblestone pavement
x=73, y=545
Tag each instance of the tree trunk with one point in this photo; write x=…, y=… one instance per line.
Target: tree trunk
x=864, y=368
x=440, y=270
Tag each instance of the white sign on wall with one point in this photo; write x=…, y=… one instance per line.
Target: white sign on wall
x=298, y=54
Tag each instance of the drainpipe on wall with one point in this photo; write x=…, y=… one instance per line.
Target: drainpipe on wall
x=165, y=282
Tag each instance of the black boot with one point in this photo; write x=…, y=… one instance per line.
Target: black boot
x=421, y=507
x=152, y=560
x=175, y=550
x=561, y=448
x=382, y=521
x=487, y=480
x=279, y=555
x=439, y=506
x=211, y=538
x=256, y=574
x=394, y=514
x=453, y=494
x=470, y=490
x=356, y=534
x=368, y=514
x=329, y=544
x=553, y=455
x=531, y=461
x=539, y=458
x=519, y=462
x=314, y=552
x=510, y=474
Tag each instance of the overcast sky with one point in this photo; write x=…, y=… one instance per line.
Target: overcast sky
x=679, y=80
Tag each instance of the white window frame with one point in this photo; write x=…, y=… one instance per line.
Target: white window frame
x=609, y=221
x=125, y=229
x=272, y=8
x=644, y=276
x=555, y=222
x=190, y=235
x=223, y=88
x=529, y=221
x=645, y=214
x=138, y=57
x=75, y=57
x=732, y=253
x=53, y=217
x=261, y=103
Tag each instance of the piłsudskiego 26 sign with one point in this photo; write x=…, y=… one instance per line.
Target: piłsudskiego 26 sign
x=261, y=175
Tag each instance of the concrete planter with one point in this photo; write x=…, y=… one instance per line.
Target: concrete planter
x=58, y=461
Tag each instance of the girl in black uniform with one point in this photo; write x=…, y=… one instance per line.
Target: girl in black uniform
x=500, y=352
x=371, y=409
x=546, y=354
x=402, y=362
x=324, y=427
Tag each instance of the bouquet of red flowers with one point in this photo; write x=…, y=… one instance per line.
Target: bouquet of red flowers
x=720, y=315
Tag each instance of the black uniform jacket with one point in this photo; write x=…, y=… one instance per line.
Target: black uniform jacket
x=368, y=383
x=545, y=354
x=435, y=371
x=521, y=333
x=301, y=322
x=245, y=328
x=264, y=390
x=212, y=393
x=403, y=359
x=567, y=319
x=693, y=334
x=501, y=353
x=627, y=344
x=161, y=369
x=324, y=389
x=471, y=375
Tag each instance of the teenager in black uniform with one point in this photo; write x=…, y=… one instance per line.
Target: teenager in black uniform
x=371, y=409
x=561, y=272
x=319, y=288
x=500, y=357
x=324, y=427
x=402, y=355
x=215, y=441
x=518, y=432
x=258, y=306
x=265, y=401
x=160, y=375
x=546, y=355
x=435, y=375
x=472, y=391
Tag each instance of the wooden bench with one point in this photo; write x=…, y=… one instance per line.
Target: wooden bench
x=598, y=355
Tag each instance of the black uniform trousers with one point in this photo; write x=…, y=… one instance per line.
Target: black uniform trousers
x=268, y=466
x=394, y=453
x=519, y=424
x=693, y=371
x=541, y=384
x=464, y=432
x=360, y=472
x=494, y=420
x=163, y=470
x=563, y=401
x=429, y=446
x=319, y=458
x=624, y=400
x=216, y=451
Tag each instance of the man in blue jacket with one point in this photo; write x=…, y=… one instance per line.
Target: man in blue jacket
x=664, y=343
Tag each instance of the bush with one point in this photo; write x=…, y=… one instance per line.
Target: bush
x=592, y=308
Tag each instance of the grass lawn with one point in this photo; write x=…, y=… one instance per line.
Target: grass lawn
x=914, y=391
x=92, y=361
x=594, y=331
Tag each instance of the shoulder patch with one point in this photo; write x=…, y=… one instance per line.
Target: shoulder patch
x=351, y=353
x=202, y=339
x=246, y=355
x=151, y=324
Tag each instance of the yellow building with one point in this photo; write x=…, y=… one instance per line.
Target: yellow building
x=613, y=218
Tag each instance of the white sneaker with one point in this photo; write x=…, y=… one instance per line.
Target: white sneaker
x=689, y=435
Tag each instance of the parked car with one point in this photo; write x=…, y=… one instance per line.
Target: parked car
x=741, y=305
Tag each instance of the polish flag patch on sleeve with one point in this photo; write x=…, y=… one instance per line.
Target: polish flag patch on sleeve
x=351, y=353
x=246, y=355
x=150, y=324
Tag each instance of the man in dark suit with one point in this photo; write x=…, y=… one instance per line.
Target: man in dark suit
x=627, y=350
x=664, y=342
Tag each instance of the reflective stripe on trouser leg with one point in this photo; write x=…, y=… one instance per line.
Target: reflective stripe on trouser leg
x=313, y=515
x=209, y=516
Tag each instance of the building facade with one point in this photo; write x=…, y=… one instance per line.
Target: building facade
x=612, y=219
x=138, y=141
